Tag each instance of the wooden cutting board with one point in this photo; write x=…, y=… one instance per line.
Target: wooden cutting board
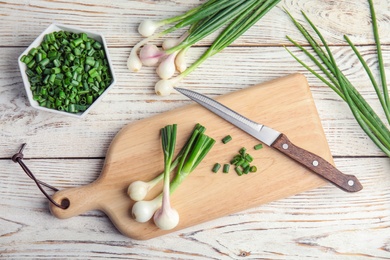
x=285, y=104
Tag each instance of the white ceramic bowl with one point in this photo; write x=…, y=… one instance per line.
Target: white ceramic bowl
x=37, y=42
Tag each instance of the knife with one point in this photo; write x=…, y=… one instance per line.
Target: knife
x=278, y=141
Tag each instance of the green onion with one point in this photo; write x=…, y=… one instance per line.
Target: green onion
x=226, y=168
x=367, y=118
x=238, y=170
x=166, y=217
x=248, y=158
x=258, y=146
x=192, y=153
x=242, y=162
x=216, y=167
x=59, y=64
x=226, y=139
x=235, y=16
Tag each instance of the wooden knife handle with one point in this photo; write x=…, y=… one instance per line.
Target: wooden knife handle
x=317, y=164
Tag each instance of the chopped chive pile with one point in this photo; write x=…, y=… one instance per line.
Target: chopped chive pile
x=242, y=162
x=67, y=71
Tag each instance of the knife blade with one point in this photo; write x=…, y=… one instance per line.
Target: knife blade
x=278, y=141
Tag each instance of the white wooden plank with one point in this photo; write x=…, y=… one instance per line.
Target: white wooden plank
x=22, y=21
x=325, y=223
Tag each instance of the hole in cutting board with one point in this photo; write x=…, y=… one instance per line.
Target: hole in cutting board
x=65, y=203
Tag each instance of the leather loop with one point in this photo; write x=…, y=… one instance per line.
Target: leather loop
x=18, y=158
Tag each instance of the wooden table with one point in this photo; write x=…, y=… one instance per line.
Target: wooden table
x=325, y=223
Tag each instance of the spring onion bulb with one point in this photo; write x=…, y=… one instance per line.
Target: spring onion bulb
x=164, y=87
x=147, y=27
x=166, y=217
x=143, y=211
x=170, y=43
x=150, y=55
x=180, y=61
x=235, y=16
x=139, y=189
x=134, y=63
x=167, y=67
x=192, y=153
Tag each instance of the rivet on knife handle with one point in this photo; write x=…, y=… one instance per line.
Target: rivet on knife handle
x=317, y=164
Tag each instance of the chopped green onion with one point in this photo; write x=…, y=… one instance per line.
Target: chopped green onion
x=258, y=146
x=226, y=139
x=242, y=162
x=226, y=168
x=59, y=62
x=248, y=158
x=216, y=167
x=238, y=171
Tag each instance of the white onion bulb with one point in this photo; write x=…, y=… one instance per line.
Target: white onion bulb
x=150, y=55
x=167, y=67
x=166, y=218
x=133, y=62
x=163, y=87
x=170, y=43
x=180, y=61
x=137, y=190
x=147, y=28
x=142, y=211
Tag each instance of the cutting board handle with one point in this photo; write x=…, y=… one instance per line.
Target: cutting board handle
x=78, y=200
